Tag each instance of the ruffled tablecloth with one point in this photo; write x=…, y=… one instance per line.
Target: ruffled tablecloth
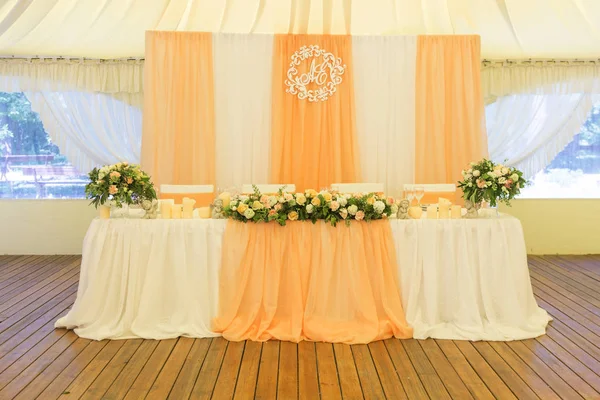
x=467, y=279
x=158, y=279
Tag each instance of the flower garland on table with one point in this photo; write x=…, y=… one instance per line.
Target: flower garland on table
x=486, y=181
x=120, y=183
x=311, y=205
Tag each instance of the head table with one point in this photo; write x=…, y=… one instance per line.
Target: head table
x=446, y=279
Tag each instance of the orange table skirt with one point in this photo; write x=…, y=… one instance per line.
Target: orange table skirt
x=310, y=282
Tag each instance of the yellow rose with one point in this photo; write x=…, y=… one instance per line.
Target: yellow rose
x=292, y=216
x=242, y=207
x=327, y=196
x=257, y=205
x=371, y=200
x=316, y=201
x=311, y=193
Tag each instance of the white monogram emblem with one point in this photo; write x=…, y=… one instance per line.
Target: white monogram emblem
x=325, y=74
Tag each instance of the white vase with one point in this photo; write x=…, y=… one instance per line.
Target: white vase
x=104, y=212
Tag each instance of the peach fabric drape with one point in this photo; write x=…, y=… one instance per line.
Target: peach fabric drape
x=450, y=118
x=313, y=144
x=178, y=141
x=310, y=282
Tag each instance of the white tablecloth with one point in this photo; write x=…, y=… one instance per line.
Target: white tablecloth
x=467, y=279
x=154, y=279
x=158, y=279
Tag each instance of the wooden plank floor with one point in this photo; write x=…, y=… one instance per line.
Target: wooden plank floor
x=38, y=361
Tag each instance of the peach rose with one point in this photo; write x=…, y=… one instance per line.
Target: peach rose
x=278, y=207
x=293, y=216
x=272, y=212
x=480, y=183
x=112, y=189
x=129, y=181
x=316, y=201
x=115, y=174
x=360, y=215
x=389, y=201
x=334, y=205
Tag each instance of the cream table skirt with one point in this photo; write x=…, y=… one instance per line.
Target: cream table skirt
x=467, y=279
x=158, y=279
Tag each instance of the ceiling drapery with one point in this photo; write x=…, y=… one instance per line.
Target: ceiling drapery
x=514, y=29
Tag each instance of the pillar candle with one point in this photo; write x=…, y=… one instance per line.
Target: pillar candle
x=444, y=211
x=204, y=212
x=432, y=212
x=188, y=207
x=455, y=212
x=104, y=212
x=165, y=208
x=226, y=197
x=176, y=211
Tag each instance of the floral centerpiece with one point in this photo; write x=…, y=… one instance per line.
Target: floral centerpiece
x=310, y=205
x=493, y=183
x=120, y=183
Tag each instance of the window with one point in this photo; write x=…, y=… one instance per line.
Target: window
x=575, y=171
x=31, y=166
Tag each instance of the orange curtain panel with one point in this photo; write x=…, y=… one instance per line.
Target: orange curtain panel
x=178, y=140
x=450, y=118
x=310, y=282
x=313, y=139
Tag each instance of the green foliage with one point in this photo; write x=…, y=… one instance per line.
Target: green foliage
x=486, y=181
x=120, y=183
x=330, y=207
x=28, y=134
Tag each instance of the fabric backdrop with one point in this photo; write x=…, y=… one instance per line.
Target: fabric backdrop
x=401, y=109
x=178, y=145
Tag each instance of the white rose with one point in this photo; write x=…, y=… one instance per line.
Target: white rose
x=353, y=209
x=249, y=213
x=505, y=171
x=476, y=173
x=378, y=206
x=272, y=201
x=502, y=180
x=281, y=199
x=233, y=203
x=491, y=174
x=514, y=177
x=310, y=208
x=300, y=199
x=233, y=208
x=342, y=200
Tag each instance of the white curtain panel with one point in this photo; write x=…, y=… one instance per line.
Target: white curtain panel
x=384, y=87
x=528, y=131
x=242, y=73
x=91, y=129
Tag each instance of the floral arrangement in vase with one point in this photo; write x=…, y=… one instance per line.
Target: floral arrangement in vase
x=121, y=183
x=492, y=183
x=330, y=206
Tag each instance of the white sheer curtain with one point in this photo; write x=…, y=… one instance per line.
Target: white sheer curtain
x=92, y=129
x=242, y=70
x=384, y=90
x=529, y=130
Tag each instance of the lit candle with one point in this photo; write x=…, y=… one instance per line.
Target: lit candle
x=176, y=211
x=432, y=211
x=188, y=207
x=204, y=212
x=165, y=208
x=455, y=212
x=226, y=197
x=444, y=211
x=415, y=212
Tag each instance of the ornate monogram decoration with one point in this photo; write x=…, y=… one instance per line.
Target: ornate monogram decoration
x=325, y=72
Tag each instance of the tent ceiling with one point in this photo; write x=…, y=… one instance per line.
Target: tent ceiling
x=115, y=28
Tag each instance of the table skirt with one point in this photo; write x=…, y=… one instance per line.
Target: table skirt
x=158, y=279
